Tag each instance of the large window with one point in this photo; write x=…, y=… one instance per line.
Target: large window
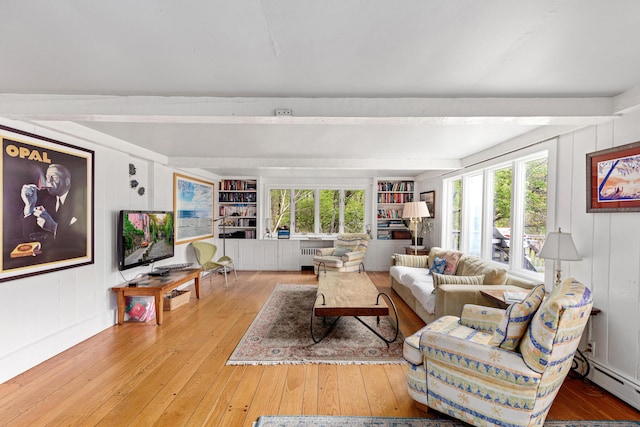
x=499, y=212
x=317, y=211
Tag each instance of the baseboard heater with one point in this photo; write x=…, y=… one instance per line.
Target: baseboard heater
x=616, y=384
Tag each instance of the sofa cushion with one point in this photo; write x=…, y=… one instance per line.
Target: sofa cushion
x=470, y=265
x=445, y=279
x=452, y=258
x=543, y=331
x=438, y=265
x=419, y=261
x=481, y=318
x=340, y=251
x=516, y=319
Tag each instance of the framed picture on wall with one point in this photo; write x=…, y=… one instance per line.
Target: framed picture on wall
x=193, y=207
x=430, y=198
x=47, y=205
x=613, y=179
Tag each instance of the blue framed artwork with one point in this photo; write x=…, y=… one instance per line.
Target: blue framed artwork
x=193, y=207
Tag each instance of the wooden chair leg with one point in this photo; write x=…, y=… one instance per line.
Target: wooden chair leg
x=421, y=406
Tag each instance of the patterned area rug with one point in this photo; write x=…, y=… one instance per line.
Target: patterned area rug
x=281, y=334
x=325, y=421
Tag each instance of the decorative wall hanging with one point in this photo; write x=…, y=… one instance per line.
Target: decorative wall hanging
x=193, y=207
x=613, y=179
x=47, y=205
x=430, y=198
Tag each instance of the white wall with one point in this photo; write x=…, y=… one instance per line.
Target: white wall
x=610, y=246
x=43, y=315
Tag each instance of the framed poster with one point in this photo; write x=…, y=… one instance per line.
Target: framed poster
x=613, y=179
x=193, y=207
x=47, y=205
x=430, y=198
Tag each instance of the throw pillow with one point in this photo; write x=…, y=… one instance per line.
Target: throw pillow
x=447, y=279
x=516, y=319
x=438, y=266
x=452, y=258
x=340, y=251
x=411, y=260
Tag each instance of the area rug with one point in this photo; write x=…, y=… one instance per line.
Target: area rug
x=342, y=421
x=281, y=334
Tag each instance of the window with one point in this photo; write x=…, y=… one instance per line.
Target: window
x=488, y=208
x=317, y=211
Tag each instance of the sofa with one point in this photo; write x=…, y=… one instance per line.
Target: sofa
x=460, y=283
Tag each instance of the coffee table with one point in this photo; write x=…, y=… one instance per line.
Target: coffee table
x=350, y=294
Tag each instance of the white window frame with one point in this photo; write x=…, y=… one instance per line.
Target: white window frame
x=516, y=161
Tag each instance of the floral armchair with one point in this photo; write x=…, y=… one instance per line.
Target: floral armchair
x=347, y=254
x=499, y=367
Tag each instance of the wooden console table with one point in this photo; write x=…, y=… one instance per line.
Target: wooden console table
x=155, y=286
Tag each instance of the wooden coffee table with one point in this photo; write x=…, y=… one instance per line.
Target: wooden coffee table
x=350, y=294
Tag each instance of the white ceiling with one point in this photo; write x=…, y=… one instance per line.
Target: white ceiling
x=376, y=87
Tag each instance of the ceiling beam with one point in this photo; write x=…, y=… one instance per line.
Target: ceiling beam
x=215, y=110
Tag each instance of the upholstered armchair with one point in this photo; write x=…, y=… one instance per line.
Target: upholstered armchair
x=347, y=254
x=499, y=367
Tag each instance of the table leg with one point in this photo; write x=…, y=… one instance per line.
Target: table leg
x=159, y=308
x=121, y=307
x=196, y=284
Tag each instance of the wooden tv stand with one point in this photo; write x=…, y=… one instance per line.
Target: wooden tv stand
x=155, y=286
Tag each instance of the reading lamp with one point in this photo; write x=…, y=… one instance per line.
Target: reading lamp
x=415, y=211
x=559, y=247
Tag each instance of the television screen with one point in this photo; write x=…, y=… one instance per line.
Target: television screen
x=144, y=237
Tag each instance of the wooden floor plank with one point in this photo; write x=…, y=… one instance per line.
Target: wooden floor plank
x=350, y=384
x=176, y=374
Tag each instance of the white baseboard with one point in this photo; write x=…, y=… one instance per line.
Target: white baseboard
x=21, y=360
x=615, y=383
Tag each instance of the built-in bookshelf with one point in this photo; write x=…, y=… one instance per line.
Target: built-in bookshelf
x=391, y=197
x=238, y=203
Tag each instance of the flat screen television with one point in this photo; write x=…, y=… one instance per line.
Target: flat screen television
x=144, y=237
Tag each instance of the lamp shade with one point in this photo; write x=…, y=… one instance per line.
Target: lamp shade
x=559, y=245
x=415, y=210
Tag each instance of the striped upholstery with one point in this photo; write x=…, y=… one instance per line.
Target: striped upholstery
x=481, y=318
x=462, y=375
x=516, y=319
x=419, y=261
x=569, y=303
x=356, y=245
x=446, y=279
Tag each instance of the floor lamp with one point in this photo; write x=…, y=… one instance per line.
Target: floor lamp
x=415, y=211
x=559, y=247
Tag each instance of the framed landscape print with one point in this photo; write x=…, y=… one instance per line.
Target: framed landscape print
x=613, y=179
x=193, y=207
x=430, y=198
x=47, y=205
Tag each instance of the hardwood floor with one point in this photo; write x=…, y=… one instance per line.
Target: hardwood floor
x=175, y=374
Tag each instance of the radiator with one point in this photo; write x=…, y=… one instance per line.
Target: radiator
x=308, y=251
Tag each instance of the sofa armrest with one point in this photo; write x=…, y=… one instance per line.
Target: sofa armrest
x=450, y=299
x=354, y=256
x=325, y=251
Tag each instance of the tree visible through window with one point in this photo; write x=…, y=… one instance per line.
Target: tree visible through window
x=516, y=223
x=338, y=210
